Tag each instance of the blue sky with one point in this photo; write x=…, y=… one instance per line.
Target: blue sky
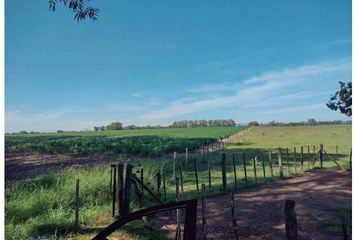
x=153, y=62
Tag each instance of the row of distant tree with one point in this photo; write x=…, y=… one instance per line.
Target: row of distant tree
x=310, y=122
x=208, y=123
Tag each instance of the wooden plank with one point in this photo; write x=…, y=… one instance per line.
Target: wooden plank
x=209, y=173
x=308, y=158
x=181, y=177
x=321, y=155
x=174, y=166
x=158, y=182
x=164, y=182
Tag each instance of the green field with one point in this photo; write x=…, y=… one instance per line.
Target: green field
x=143, y=142
x=46, y=205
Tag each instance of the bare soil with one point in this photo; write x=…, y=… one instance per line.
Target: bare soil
x=321, y=197
x=21, y=166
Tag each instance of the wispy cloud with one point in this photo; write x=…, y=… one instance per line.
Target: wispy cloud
x=139, y=94
x=269, y=87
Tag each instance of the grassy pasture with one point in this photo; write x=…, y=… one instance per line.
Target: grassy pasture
x=45, y=205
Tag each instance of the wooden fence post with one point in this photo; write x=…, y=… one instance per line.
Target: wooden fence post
x=142, y=180
x=223, y=172
x=290, y=220
x=270, y=163
x=233, y=215
x=287, y=162
x=244, y=166
x=280, y=164
x=110, y=184
x=114, y=192
x=120, y=188
x=235, y=176
x=181, y=176
x=314, y=155
x=158, y=182
x=209, y=173
x=186, y=156
x=164, y=181
x=204, y=214
x=350, y=159
x=77, y=205
x=127, y=188
x=336, y=151
x=302, y=159
x=255, y=169
x=263, y=166
x=196, y=175
x=309, y=158
x=321, y=155
x=174, y=165
x=178, y=230
x=294, y=160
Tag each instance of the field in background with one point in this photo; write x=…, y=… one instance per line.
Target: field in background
x=46, y=205
x=141, y=142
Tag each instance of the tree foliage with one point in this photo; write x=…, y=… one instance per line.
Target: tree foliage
x=342, y=99
x=114, y=126
x=203, y=123
x=81, y=8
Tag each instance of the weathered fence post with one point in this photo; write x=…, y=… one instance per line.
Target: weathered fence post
x=142, y=180
x=223, y=172
x=77, y=205
x=178, y=230
x=233, y=215
x=280, y=164
x=174, y=165
x=127, y=188
x=120, y=188
x=270, y=163
x=110, y=184
x=158, y=182
x=244, y=167
x=309, y=158
x=186, y=156
x=235, y=176
x=314, y=155
x=204, y=214
x=287, y=162
x=295, y=160
x=196, y=175
x=336, y=151
x=263, y=166
x=114, y=192
x=290, y=220
x=254, y=168
x=209, y=173
x=302, y=159
x=350, y=159
x=321, y=155
x=164, y=181
x=181, y=176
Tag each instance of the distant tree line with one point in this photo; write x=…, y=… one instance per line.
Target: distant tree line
x=309, y=122
x=203, y=123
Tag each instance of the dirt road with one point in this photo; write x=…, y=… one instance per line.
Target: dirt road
x=321, y=197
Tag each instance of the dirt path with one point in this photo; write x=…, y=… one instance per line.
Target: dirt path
x=321, y=198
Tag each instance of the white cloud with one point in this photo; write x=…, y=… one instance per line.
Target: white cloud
x=139, y=94
x=258, y=89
